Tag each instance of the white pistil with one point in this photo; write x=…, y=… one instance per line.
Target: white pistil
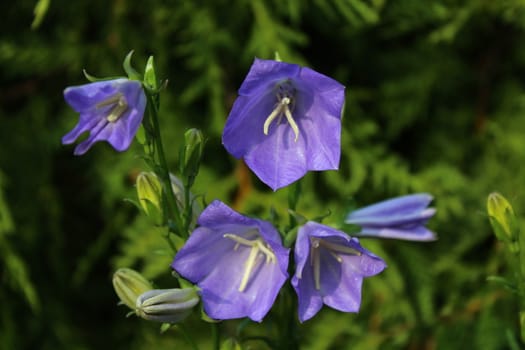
x=333, y=248
x=282, y=107
x=119, y=106
x=256, y=246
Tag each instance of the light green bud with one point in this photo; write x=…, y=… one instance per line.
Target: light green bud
x=502, y=217
x=166, y=305
x=129, y=285
x=191, y=154
x=149, y=192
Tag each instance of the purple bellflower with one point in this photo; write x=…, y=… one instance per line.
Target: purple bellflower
x=237, y=262
x=285, y=122
x=330, y=267
x=400, y=218
x=110, y=110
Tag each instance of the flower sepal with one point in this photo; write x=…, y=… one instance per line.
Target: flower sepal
x=130, y=71
x=93, y=79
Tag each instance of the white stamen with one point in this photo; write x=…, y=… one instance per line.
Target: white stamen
x=332, y=248
x=256, y=246
x=119, y=103
x=284, y=103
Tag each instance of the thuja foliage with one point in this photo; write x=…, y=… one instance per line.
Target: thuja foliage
x=434, y=102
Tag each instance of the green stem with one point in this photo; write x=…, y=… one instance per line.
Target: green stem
x=288, y=327
x=188, y=207
x=187, y=336
x=172, y=214
x=215, y=336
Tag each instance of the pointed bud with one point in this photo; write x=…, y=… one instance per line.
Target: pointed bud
x=149, y=192
x=502, y=218
x=166, y=305
x=150, y=77
x=129, y=285
x=191, y=154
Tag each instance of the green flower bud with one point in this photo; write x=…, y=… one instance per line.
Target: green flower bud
x=129, y=285
x=149, y=192
x=166, y=305
x=502, y=219
x=191, y=154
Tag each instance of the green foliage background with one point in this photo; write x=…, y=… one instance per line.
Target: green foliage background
x=435, y=103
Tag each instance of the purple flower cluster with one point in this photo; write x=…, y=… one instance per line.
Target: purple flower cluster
x=285, y=122
x=240, y=265
x=250, y=264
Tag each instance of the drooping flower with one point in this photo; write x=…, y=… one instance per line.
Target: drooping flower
x=285, y=122
x=330, y=267
x=400, y=218
x=110, y=110
x=237, y=262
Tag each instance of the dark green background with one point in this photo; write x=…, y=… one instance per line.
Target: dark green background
x=435, y=103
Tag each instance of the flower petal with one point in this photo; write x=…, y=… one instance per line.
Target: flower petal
x=278, y=171
x=397, y=206
x=381, y=220
x=414, y=233
x=84, y=97
x=265, y=73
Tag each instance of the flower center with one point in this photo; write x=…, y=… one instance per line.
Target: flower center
x=118, y=104
x=257, y=248
x=284, y=106
x=333, y=249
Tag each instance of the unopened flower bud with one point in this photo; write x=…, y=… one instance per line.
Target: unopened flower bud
x=129, y=285
x=166, y=305
x=502, y=218
x=191, y=153
x=149, y=192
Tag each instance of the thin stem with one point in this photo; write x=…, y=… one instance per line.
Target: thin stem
x=187, y=336
x=215, y=336
x=288, y=337
x=173, y=214
x=188, y=206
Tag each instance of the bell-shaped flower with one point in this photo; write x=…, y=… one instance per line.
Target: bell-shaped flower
x=110, y=110
x=400, y=218
x=237, y=262
x=285, y=122
x=330, y=267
